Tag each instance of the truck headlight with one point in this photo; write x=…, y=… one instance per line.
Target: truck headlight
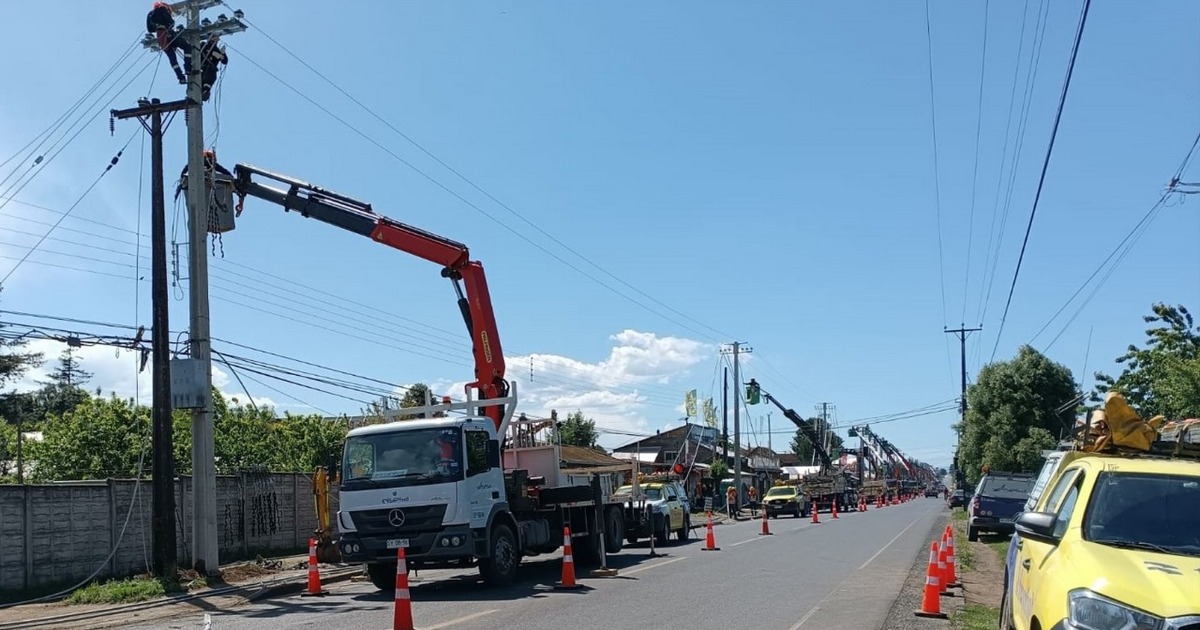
x=1091, y=611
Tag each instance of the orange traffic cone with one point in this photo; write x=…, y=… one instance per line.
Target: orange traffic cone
x=815, y=509
x=766, y=531
x=931, y=604
x=314, y=574
x=835, y=508
x=568, y=566
x=951, y=577
x=941, y=566
x=402, y=618
x=710, y=539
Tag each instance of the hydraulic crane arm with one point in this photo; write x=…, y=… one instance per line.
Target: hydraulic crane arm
x=467, y=276
x=809, y=431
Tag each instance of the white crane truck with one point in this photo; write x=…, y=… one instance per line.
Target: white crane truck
x=463, y=484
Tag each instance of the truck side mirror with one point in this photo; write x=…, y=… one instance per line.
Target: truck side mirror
x=493, y=453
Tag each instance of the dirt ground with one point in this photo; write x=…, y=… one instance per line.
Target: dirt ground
x=984, y=583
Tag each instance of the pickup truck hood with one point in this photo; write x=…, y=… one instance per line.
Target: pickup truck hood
x=1161, y=584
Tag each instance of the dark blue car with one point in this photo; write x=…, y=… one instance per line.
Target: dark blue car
x=999, y=497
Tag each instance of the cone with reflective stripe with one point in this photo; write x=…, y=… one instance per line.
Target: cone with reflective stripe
x=931, y=603
x=816, y=508
x=710, y=539
x=402, y=619
x=941, y=566
x=314, y=573
x=568, y=566
x=951, y=577
x=766, y=531
x=835, y=507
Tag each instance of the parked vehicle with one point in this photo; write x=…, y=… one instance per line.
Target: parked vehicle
x=957, y=499
x=786, y=499
x=655, y=508
x=999, y=497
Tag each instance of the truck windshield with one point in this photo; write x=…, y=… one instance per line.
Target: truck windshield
x=1146, y=511
x=403, y=458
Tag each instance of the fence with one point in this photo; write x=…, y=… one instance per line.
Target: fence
x=58, y=534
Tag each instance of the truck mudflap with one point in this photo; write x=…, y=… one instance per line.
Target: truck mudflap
x=454, y=541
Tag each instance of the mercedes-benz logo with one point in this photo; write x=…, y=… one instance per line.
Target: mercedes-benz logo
x=396, y=517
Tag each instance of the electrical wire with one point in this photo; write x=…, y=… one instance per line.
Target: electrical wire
x=480, y=189
x=1062, y=101
x=975, y=168
x=1118, y=253
x=116, y=158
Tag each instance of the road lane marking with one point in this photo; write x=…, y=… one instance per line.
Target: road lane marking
x=655, y=565
x=745, y=541
x=455, y=622
x=838, y=588
x=889, y=544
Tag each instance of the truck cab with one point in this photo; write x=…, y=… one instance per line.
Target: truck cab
x=432, y=486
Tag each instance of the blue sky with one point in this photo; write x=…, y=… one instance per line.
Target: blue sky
x=765, y=168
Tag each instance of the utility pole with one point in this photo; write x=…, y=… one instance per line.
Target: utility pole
x=163, y=463
x=725, y=417
x=769, y=447
x=737, y=350
x=204, y=480
x=962, y=333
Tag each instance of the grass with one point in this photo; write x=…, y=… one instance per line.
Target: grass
x=976, y=617
x=964, y=552
x=134, y=589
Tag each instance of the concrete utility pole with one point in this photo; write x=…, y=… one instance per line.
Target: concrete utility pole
x=962, y=333
x=204, y=481
x=163, y=466
x=737, y=350
x=725, y=417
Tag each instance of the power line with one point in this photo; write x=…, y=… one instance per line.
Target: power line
x=1062, y=100
x=463, y=199
x=116, y=158
x=975, y=169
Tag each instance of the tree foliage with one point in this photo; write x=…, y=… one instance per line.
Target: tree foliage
x=1013, y=414
x=1163, y=376
x=103, y=437
x=803, y=447
x=14, y=359
x=578, y=431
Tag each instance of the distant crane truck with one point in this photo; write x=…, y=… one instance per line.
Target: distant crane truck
x=463, y=484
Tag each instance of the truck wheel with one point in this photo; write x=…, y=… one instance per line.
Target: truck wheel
x=500, y=568
x=1006, y=613
x=614, y=530
x=383, y=576
x=685, y=532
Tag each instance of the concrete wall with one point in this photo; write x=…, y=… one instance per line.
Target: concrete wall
x=58, y=534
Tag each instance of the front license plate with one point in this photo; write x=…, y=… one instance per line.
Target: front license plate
x=397, y=543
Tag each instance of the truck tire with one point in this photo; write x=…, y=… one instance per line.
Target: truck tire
x=383, y=576
x=500, y=567
x=614, y=530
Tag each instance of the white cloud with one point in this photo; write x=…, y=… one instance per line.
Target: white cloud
x=622, y=392
x=115, y=371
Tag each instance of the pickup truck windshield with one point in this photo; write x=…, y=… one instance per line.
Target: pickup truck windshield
x=780, y=492
x=1145, y=511
x=653, y=493
x=402, y=458
x=1006, y=487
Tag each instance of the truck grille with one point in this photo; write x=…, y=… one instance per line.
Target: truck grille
x=417, y=519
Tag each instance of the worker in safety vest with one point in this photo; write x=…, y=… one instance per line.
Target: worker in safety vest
x=160, y=22
x=752, y=495
x=731, y=501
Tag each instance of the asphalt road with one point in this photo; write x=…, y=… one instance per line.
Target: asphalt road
x=837, y=575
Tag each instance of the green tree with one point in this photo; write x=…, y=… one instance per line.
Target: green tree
x=718, y=469
x=578, y=431
x=803, y=447
x=8, y=452
x=14, y=360
x=1013, y=414
x=100, y=438
x=1163, y=376
x=63, y=390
